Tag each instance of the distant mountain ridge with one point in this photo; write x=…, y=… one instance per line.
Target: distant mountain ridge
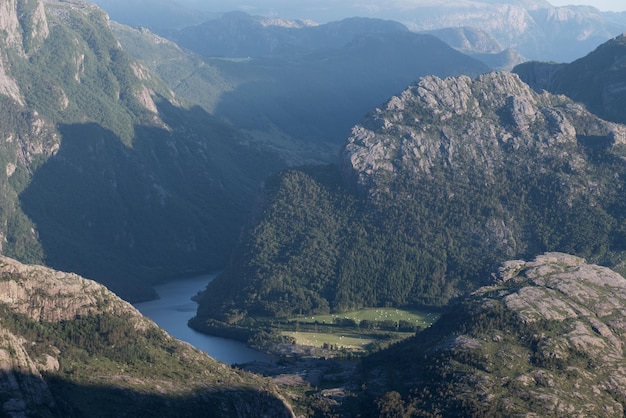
x=240, y=35
x=596, y=80
x=302, y=102
x=535, y=28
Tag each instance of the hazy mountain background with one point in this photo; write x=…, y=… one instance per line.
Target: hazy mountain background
x=299, y=89
x=535, y=28
x=298, y=84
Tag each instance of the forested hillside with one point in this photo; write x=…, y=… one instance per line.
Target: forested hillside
x=446, y=180
x=104, y=172
x=71, y=348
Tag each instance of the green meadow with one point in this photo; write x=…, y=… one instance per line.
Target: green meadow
x=419, y=318
x=343, y=340
x=347, y=330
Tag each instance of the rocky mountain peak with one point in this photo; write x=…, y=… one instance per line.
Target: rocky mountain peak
x=458, y=123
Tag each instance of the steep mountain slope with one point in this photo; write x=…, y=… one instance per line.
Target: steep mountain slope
x=71, y=348
x=597, y=80
x=306, y=102
x=103, y=172
x=545, y=338
x=444, y=181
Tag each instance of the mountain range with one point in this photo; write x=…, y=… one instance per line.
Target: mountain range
x=299, y=89
x=534, y=28
x=492, y=197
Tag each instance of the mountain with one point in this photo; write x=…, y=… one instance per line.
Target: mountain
x=444, y=181
x=596, y=80
x=104, y=171
x=240, y=35
x=544, y=338
x=69, y=347
x=480, y=45
x=534, y=28
x=303, y=103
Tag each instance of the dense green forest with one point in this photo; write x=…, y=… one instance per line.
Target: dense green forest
x=337, y=251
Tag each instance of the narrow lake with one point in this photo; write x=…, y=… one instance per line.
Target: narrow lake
x=174, y=308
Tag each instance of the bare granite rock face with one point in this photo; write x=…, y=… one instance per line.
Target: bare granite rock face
x=24, y=24
x=459, y=123
x=575, y=362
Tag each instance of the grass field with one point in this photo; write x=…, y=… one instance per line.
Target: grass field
x=321, y=330
x=317, y=339
x=423, y=319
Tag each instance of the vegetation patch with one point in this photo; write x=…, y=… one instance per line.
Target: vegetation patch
x=335, y=341
x=372, y=318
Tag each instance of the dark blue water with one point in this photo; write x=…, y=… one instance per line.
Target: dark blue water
x=174, y=308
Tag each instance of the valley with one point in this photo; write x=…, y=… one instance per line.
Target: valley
x=412, y=215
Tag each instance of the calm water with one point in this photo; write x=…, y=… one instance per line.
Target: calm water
x=175, y=307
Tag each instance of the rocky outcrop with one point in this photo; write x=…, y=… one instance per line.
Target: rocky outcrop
x=140, y=367
x=577, y=309
x=59, y=297
x=459, y=123
x=545, y=338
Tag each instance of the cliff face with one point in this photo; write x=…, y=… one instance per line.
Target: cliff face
x=546, y=337
x=24, y=24
x=64, y=338
x=98, y=157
